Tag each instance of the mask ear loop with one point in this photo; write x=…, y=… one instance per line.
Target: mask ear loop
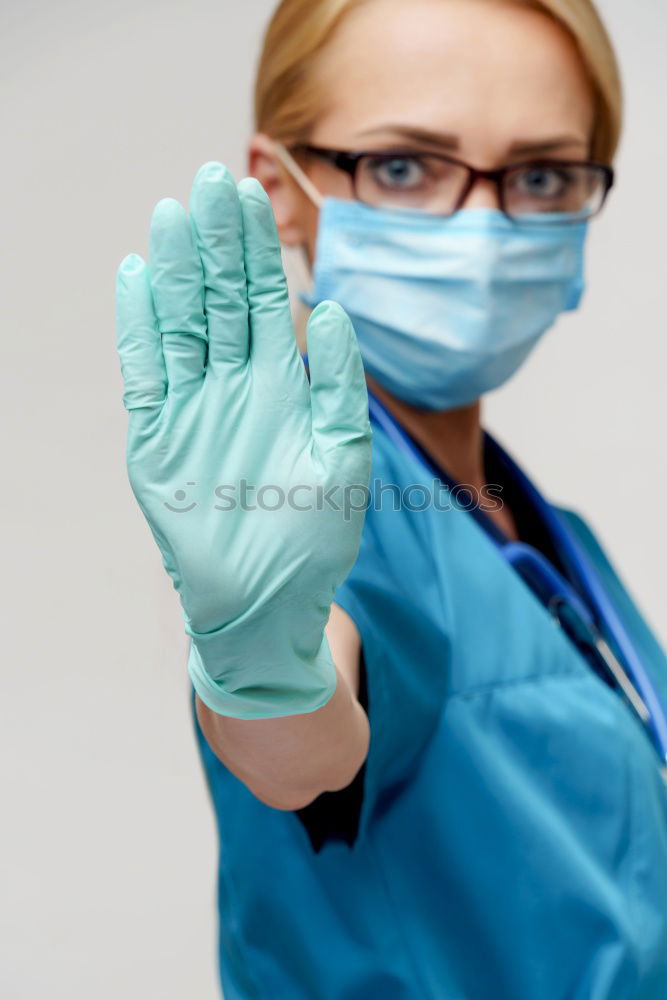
x=302, y=179
x=300, y=262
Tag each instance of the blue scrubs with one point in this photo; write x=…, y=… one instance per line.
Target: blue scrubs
x=510, y=836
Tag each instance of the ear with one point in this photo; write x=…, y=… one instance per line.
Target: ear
x=291, y=207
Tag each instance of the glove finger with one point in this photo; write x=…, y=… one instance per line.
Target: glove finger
x=272, y=341
x=138, y=337
x=178, y=293
x=215, y=215
x=339, y=401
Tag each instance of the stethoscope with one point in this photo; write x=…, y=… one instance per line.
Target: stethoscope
x=581, y=608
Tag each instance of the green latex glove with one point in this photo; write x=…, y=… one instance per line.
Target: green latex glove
x=217, y=396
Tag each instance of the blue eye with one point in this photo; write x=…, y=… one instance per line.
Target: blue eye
x=400, y=173
x=543, y=182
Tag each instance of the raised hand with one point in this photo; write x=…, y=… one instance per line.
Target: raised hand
x=250, y=478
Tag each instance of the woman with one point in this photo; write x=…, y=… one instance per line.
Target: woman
x=424, y=788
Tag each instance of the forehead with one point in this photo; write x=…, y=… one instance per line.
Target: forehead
x=455, y=66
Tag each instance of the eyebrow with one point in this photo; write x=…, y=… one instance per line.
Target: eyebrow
x=449, y=140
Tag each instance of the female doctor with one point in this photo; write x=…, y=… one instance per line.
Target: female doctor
x=429, y=713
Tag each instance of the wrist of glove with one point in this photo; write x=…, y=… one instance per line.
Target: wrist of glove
x=262, y=667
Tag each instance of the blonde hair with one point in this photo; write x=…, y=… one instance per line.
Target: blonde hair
x=288, y=100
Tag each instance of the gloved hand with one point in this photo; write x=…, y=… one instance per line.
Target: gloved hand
x=237, y=463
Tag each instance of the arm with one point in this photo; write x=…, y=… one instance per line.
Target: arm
x=287, y=762
x=218, y=400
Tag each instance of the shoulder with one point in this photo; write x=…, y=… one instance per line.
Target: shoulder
x=591, y=543
x=594, y=549
x=579, y=525
x=619, y=593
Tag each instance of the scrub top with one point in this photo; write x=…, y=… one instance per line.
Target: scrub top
x=506, y=837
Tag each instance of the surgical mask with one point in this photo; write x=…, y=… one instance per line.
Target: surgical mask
x=444, y=309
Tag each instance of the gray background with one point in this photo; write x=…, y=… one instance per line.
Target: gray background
x=107, y=867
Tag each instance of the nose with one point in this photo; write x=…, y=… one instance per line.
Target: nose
x=483, y=194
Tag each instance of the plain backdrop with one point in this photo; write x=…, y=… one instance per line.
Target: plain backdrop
x=108, y=849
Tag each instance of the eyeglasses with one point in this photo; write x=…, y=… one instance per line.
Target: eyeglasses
x=538, y=190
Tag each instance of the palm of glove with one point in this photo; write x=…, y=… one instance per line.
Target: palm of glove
x=251, y=480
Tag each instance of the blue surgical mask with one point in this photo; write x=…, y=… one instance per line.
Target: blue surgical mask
x=445, y=309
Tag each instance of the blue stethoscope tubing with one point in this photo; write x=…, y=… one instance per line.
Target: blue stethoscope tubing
x=604, y=621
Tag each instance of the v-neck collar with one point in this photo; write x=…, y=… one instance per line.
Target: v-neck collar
x=531, y=525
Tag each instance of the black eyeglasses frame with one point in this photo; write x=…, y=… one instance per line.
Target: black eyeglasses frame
x=349, y=163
